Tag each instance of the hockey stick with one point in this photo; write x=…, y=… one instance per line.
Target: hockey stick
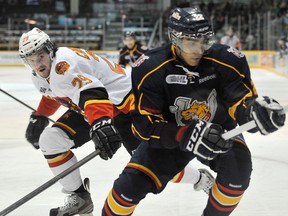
x=245, y=127
x=48, y=183
x=22, y=102
x=227, y=135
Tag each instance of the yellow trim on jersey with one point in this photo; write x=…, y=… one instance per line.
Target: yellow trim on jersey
x=129, y=100
x=224, y=199
x=227, y=65
x=124, y=52
x=173, y=50
x=232, y=109
x=135, y=131
x=144, y=138
x=152, y=71
x=96, y=101
x=143, y=112
x=133, y=50
x=148, y=114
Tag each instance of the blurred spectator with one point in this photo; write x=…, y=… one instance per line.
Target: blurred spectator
x=282, y=45
x=131, y=51
x=250, y=42
x=231, y=39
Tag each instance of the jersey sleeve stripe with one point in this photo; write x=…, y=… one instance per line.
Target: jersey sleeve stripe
x=97, y=101
x=95, y=109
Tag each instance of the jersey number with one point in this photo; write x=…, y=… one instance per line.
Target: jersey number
x=80, y=80
x=86, y=53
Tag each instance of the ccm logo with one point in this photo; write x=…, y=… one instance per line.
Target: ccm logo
x=102, y=123
x=195, y=135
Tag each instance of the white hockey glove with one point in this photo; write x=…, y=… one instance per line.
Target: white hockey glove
x=267, y=114
x=204, y=140
x=105, y=137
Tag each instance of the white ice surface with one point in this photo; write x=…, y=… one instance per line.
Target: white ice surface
x=23, y=169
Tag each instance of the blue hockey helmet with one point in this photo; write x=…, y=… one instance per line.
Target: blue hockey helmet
x=189, y=23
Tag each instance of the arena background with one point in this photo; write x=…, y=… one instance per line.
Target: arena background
x=98, y=25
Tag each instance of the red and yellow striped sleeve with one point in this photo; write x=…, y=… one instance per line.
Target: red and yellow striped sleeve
x=95, y=109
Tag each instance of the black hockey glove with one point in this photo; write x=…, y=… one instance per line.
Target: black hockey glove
x=105, y=137
x=37, y=123
x=267, y=114
x=204, y=140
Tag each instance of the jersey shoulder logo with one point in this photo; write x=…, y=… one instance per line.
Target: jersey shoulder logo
x=235, y=52
x=140, y=60
x=61, y=67
x=176, y=15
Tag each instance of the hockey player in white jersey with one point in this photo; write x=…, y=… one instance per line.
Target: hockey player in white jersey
x=97, y=93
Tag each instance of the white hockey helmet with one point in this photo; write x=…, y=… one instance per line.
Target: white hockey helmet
x=33, y=41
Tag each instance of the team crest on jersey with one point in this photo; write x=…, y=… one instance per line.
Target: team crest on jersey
x=140, y=60
x=235, y=52
x=62, y=67
x=186, y=110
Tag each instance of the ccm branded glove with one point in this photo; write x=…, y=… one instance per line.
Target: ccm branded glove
x=105, y=137
x=37, y=123
x=204, y=140
x=267, y=114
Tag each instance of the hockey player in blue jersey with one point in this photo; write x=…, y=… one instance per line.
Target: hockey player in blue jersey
x=131, y=50
x=188, y=93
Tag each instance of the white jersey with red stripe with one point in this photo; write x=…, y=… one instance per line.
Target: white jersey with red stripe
x=74, y=70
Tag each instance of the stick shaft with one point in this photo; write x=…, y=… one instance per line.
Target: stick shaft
x=22, y=102
x=48, y=183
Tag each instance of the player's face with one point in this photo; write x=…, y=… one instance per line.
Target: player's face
x=191, y=50
x=40, y=62
x=129, y=42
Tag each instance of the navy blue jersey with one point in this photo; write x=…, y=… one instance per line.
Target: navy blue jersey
x=129, y=56
x=169, y=94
